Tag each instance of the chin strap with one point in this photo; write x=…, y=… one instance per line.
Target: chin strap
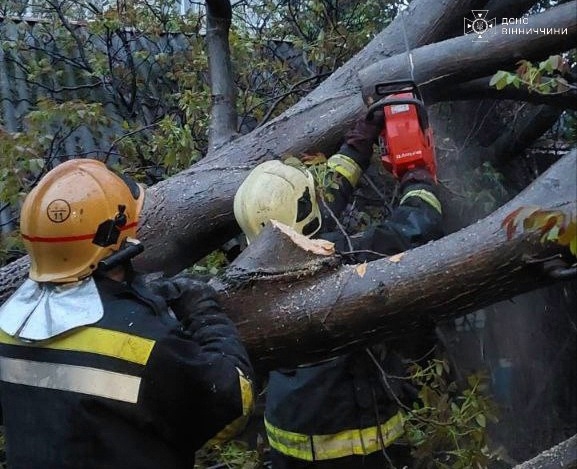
x=129, y=249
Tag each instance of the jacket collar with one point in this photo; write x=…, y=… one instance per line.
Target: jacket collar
x=39, y=311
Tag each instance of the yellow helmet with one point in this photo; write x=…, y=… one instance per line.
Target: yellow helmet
x=79, y=214
x=276, y=191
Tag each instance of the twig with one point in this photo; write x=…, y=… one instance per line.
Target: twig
x=338, y=223
x=396, y=399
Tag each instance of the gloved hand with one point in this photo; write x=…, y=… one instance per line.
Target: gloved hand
x=417, y=176
x=186, y=296
x=363, y=135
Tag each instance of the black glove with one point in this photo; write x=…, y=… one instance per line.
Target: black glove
x=186, y=296
x=361, y=138
x=417, y=176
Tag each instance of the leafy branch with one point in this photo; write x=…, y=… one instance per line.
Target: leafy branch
x=546, y=77
x=447, y=428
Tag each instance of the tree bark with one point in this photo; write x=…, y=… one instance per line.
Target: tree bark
x=12, y=276
x=561, y=456
x=292, y=316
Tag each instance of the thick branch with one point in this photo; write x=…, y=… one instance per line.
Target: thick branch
x=480, y=89
x=281, y=251
x=461, y=59
x=524, y=131
x=561, y=456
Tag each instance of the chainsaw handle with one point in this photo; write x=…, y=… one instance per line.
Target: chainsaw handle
x=396, y=86
x=421, y=110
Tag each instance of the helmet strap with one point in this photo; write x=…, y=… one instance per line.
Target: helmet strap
x=128, y=249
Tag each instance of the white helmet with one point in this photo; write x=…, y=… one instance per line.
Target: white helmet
x=276, y=191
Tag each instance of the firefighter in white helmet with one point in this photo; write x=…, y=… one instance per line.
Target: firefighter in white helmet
x=339, y=413
x=288, y=195
x=95, y=369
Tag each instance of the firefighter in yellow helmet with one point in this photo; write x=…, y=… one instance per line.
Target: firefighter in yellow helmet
x=79, y=215
x=340, y=413
x=287, y=194
x=96, y=369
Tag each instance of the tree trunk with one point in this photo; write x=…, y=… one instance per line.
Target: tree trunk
x=223, y=117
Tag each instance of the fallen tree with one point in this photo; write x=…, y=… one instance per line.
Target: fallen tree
x=195, y=206
x=319, y=306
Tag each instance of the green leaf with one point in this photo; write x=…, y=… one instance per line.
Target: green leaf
x=556, y=62
x=439, y=368
x=546, y=65
x=545, y=88
x=480, y=419
x=498, y=78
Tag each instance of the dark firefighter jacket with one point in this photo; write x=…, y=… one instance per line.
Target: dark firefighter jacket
x=343, y=407
x=133, y=390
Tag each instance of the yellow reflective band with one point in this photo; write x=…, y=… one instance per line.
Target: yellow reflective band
x=80, y=379
x=105, y=342
x=246, y=394
x=346, y=166
x=357, y=441
x=292, y=444
x=237, y=425
x=426, y=196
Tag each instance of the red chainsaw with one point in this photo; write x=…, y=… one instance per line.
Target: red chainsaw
x=406, y=139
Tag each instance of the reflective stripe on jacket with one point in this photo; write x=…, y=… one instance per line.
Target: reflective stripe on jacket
x=356, y=442
x=333, y=409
